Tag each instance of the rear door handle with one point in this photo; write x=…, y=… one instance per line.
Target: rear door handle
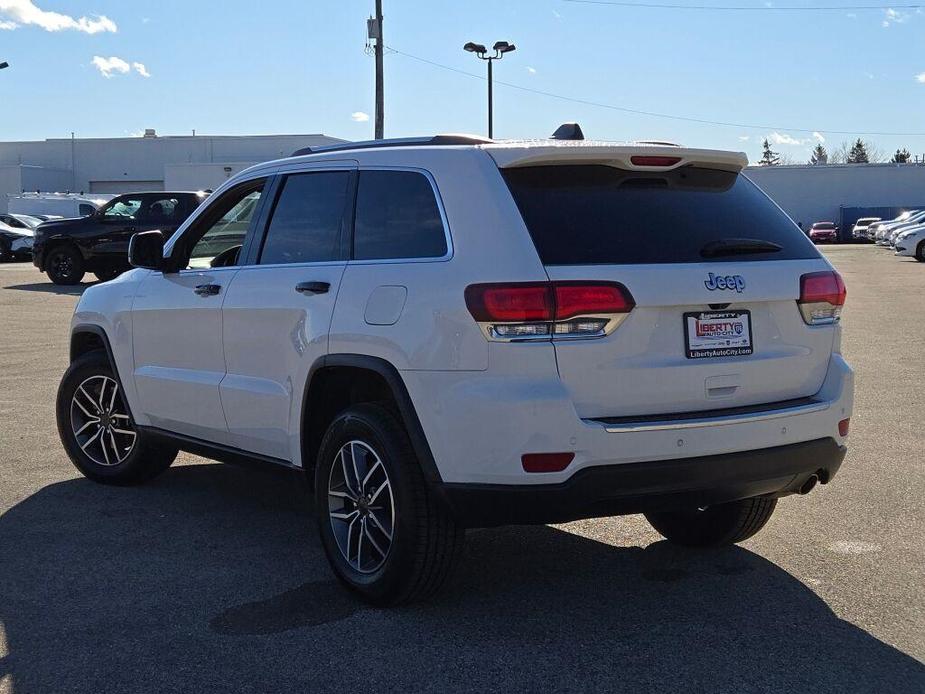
x=208, y=289
x=312, y=287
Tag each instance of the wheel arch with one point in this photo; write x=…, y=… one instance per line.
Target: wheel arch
x=372, y=379
x=89, y=337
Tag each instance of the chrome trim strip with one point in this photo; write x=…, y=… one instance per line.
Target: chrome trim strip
x=667, y=424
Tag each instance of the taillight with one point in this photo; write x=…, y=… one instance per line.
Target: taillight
x=654, y=161
x=543, y=310
x=822, y=294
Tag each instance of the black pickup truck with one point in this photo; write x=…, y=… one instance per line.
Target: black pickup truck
x=66, y=249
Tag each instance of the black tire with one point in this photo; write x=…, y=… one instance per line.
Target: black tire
x=425, y=542
x=723, y=524
x=920, y=252
x=64, y=265
x=106, y=274
x=144, y=459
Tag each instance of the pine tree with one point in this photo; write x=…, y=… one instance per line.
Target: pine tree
x=768, y=156
x=858, y=153
x=902, y=156
x=820, y=156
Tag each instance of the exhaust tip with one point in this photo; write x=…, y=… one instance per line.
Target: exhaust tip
x=809, y=484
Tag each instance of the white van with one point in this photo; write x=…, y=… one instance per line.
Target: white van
x=56, y=204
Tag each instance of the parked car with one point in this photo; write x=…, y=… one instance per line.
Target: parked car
x=911, y=242
x=859, y=230
x=68, y=248
x=15, y=242
x=443, y=337
x=823, y=232
x=885, y=232
x=46, y=217
x=20, y=221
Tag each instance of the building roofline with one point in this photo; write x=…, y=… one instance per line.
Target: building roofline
x=140, y=138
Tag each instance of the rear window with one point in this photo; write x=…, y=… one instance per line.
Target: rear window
x=591, y=214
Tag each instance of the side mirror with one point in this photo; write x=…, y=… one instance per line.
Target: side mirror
x=146, y=250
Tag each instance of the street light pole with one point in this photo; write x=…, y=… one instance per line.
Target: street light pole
x=491, y=109
x=500, y=48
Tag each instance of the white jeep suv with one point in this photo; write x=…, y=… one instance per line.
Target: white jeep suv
x=453, y=332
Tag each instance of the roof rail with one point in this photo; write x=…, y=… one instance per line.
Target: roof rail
x=440, y=140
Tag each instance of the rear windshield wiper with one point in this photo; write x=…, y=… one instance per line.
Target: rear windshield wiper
x=715, y=249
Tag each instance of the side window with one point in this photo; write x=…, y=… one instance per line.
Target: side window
x=397, y=217
x=308, y=218
x=123, y=208
x=85, y=209
x=222, y=229
x=158, y=209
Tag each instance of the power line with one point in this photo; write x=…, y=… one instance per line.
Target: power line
x=651, y=114
x=746, y=8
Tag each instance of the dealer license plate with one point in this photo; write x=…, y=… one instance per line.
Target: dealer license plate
x=718, y=334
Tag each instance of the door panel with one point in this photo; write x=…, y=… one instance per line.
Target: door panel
x=272, y=336
x=179, y=364
x=277, y=315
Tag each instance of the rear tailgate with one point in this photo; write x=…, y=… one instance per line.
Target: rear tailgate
x=714, y=268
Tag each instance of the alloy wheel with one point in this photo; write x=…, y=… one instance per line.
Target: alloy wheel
x=100, y=421
x=361, y=507
x=62, y=265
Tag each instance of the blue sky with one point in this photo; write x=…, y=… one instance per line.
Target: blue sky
x=282, y=66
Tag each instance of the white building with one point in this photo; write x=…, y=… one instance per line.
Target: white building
x=842, y=193
x=124, y=164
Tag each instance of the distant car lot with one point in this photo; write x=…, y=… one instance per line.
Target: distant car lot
x=196, y=581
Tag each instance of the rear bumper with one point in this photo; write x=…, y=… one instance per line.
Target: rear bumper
x=656, y=485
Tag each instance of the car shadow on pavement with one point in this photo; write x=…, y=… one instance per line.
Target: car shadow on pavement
x=212, y=578
x=52, y=288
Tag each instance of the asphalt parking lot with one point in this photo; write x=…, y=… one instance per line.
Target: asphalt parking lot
x=212, y=577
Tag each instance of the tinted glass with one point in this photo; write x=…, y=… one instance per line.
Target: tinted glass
x=231, y=217
x=590, y=214
x=84, y=209
x=306, y=224
x=157, y=209
x=397, y=217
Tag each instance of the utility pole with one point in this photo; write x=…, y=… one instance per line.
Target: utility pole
x=380, y=98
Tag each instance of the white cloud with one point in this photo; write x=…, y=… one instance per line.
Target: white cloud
x=111, y=65
x=817, y=136
x=531, y=70
x=851, y=15
x=556, y=15
x=783, y=139
x=8, y=26
x=141, y=69
x=24, y=12
x=359, y=117
x=920, y=78
x=892, y=16
x=744, y=138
